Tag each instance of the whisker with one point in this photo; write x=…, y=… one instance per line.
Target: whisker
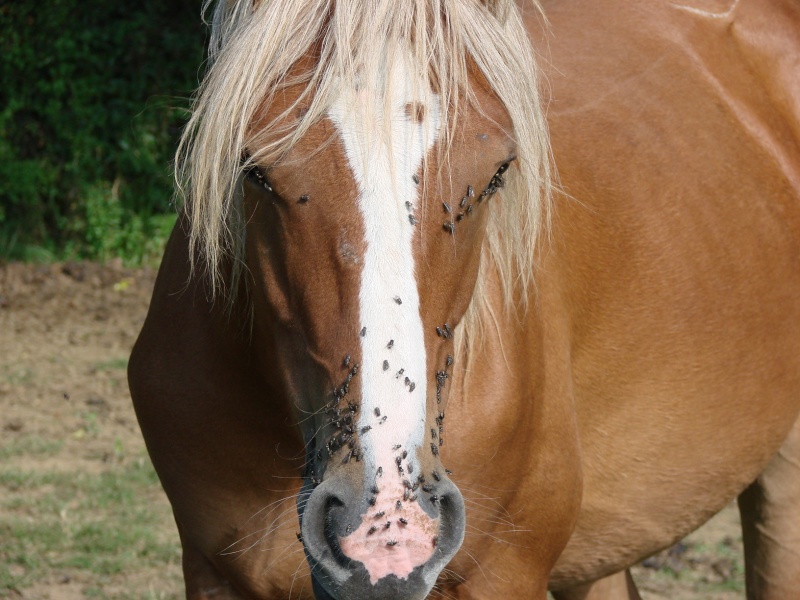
x=294, y=576
x=275, y=525
x=482, y=513
x=480, y=568
x=494, y=537
x=259, y=511
x=281, y=556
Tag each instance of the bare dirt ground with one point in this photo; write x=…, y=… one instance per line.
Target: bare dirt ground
x=65, y=417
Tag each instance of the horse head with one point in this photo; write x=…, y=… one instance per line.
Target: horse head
x=359, y=211
x=364, y=252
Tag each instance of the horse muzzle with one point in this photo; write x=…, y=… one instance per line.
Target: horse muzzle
x=384, y=543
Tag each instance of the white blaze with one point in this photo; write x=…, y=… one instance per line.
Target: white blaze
x=388, y=298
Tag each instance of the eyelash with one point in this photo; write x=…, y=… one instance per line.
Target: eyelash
x=256, y=175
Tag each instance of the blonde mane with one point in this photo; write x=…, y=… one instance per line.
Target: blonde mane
x=253, y=48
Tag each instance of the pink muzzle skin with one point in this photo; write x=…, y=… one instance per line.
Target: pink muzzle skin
x=394, y=537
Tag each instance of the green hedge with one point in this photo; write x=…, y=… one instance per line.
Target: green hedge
x=93, y=94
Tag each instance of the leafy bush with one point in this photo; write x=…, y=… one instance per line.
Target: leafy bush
x=93, y=97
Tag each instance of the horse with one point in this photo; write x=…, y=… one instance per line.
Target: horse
x=413, y=338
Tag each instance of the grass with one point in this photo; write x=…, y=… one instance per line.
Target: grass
x=31, y=445
x=89, y=527
x=17, y=375
x=112, y=365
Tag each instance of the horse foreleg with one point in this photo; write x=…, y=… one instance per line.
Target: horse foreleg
x=770, y=511
x=618, y=586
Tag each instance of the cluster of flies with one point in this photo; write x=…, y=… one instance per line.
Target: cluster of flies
x=257, y=175
x=465, y=206
x=342, y=420
x=344, y=429
x=407, y=381
x=410, y=207
x=410, y=491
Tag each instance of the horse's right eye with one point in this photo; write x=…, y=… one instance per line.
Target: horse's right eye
x=256, y=175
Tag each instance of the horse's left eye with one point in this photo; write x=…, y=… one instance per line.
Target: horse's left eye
x=496, y=182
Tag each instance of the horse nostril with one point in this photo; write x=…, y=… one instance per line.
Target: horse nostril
x=324, y=512
x=449, y=503
x=334, y=517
